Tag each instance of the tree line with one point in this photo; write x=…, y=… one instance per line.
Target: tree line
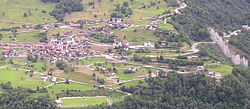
x=65, y=6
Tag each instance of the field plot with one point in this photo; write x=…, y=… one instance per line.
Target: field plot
x=223, y=69
x=128, y=84
x=22, y=37
x=84, y=101
x=91, y=60
x=19, y=78
x=138, y=37
x=14, y=10
x=72, y=86
x=129, y=76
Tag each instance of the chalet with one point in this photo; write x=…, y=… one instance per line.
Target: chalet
x=123, y=59
x=132, y=69
x=218, y=75
x=113, y=76
x=58, y=102
x=54, y=79
x=200, y=68
x=163, y=43
x=172, y=31
x=192, y=58
x=112, y=53
x=149, y=44
x=32, y=72
x=73, y=25
x=126, y=48
x=211, y=74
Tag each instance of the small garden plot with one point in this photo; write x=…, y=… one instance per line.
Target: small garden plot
x=84, y=101
x=20, y=78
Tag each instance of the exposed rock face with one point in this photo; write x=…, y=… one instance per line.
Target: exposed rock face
x=236, y=59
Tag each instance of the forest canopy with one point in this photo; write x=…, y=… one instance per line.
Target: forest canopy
x=191, y=91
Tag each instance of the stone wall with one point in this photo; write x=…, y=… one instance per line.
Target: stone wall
x=236, y=59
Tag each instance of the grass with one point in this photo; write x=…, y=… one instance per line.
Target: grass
x=103, y=9
x=124, y=76
x=84, y=101
x=165, y=26
x=8, y=25
x=223, y=69
x=128, y=84
x=72, y=86
x=19, y=78
x=22, y=37
x=153, y=52
x=138, y=37
x=91, y=60
x=14, y=10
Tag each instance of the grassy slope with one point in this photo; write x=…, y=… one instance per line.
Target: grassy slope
x=84, y=101
x=19, y=78
x=72, y=86
x=14, y=10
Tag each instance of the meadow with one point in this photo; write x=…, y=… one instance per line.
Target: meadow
x=137, y=38
x=223, y=69
x=72, y=86
x=20, y=78
x=13, y=10
x=84, y=101
x=22, y=37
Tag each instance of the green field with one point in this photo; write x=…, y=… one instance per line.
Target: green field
x=72, y=86
x=14, y=10
x=129, y=76
x=19, y=78
x=84, y=101
x=138, y=37
x=128, y=84
x=91, y=60
x=22, y=37
x=223, y=69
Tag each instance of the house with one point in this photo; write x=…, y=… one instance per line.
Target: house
x=73, y=25
x=112, y=53
x=200, y=68
x=54, y=79
x=113, y=76
x=126, y=48
x=192, y=58
x=218, y=75
x=123, y=59
x=163, y=43
x=32, y=72
x=172, y=31
x=149, y=44
x=58, y=102
x=211, y=73
x=132, y=69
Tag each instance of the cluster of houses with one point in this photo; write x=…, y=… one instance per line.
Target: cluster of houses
x=12, y=53
x=198, y=68
x=216, y=75
x=68, y=46
x=121, y=44
x=153, y=74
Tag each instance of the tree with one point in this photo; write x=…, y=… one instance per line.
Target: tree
x=25, y=14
